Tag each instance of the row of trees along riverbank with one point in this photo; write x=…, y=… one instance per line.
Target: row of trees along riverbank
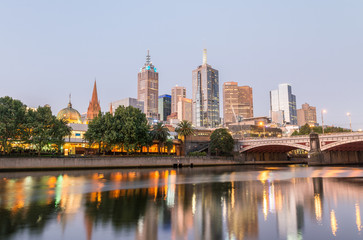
x=128, y=129
x=306, y=130
x=21, y=126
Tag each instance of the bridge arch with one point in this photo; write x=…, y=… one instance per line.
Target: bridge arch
x=346, y=145
x=274, y=147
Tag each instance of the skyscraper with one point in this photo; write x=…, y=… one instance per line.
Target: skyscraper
x=283, y=105
x=237, y=102
x=148, y=88
x=177, y=92
x=307, y=114
x=185, y=109
x=164, y=106
x=126, y=102
x=94, y=105
x=205, y=95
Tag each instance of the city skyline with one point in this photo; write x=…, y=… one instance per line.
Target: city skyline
x=46, y=56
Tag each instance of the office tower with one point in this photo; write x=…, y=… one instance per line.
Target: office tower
x=148, y=88
x=306, y=115
x=94, y=105
x=283, y=105
x=127, y=102
x=237, y=102
x=164, y=106
x=205, y=95
x=185, y=109
x=177, y=92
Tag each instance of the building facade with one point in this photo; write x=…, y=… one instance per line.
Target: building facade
x=148, y=88
x=127, y=102
x=283, y=100
x=94, y=105
x=185, y=109
x=306, y=115
x=237, y=102
x=206, y=95
x=164, y=106
x=176, y=93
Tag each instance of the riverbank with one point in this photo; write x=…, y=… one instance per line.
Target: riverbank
x=47, y=163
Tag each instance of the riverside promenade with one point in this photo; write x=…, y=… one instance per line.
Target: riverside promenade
x=48, y=163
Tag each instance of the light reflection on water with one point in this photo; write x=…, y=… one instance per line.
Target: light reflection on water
x=199, y=203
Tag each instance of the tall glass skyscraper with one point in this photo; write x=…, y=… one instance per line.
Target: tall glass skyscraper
x=205, y=95
x=164, y=106
x=283, y=105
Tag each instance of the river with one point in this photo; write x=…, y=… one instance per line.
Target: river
x=289, y=202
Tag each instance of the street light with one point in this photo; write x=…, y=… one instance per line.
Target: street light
x=262, y=125
x=350, y=121
x=322, y=118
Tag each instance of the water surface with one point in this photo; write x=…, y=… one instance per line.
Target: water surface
x=294, y=202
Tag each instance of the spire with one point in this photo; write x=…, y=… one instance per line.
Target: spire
x=94, y=105
x=69, y=103
x=204, y=56
x=94, y=94
x=148, y=58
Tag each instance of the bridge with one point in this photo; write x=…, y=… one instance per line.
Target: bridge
x=337, y=148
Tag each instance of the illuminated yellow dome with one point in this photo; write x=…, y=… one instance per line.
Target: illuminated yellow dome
x=69, y=114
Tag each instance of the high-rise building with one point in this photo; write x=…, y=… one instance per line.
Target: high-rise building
x=127, y=102
x=148, y=88
x=164, y=106
x=185, y=109
x=205, y=95
x=306, y=115
x=283, y=100
x=237, y=102
x=177, y=92
x=94, y=105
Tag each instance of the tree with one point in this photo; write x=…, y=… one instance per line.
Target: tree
x=169, y=145
x=135, y=129
x=45, y=129
x=160, y=133
x=59, y=131
x=221, y=142
x=12, y=119
x=96, y=132
x=184, y=129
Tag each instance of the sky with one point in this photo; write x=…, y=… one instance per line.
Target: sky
x=49, y=49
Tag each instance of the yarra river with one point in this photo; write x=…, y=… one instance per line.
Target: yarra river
x=290, y=202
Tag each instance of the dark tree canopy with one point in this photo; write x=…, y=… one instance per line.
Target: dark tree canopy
x=12, y=121
x=128, y=128
x=221, y=142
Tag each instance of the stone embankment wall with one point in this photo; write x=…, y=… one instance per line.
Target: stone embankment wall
x=109, y=162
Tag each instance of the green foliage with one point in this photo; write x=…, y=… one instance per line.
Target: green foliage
x=197, y=154
x=96, y=131
x=169, y=145
x=45, y=129
x=160, y=133
x=128, y=128
x=221, y=142
x=12, y=119
x=184, y=128
x=306, y=129
x=133, y=128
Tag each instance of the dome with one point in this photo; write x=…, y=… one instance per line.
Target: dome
x=69, y=114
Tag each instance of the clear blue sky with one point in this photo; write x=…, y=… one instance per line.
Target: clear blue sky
x=51, y=48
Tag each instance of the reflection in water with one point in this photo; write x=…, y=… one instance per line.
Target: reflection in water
x=333, y=223
x=213, y=203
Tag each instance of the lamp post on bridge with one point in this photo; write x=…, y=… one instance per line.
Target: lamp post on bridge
x=350, y=121
x=262, y=124
x=322, y=118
